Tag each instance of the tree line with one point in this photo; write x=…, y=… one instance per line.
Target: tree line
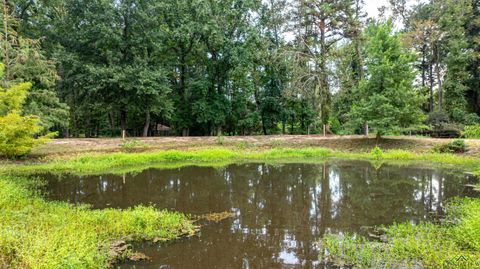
x=242, y=67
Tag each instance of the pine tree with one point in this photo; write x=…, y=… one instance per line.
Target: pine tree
x=387, y=100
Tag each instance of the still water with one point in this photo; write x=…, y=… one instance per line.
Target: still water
x=280, y=211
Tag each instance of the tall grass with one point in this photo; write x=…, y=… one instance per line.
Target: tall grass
x=35, y=233
x=455, y=244
x=123, y=162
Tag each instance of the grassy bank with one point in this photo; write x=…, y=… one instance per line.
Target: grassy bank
x=454, y=244
x=35, y=233
x=125, y=162
x=72, y=147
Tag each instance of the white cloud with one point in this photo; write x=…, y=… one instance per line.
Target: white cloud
x=371, y=6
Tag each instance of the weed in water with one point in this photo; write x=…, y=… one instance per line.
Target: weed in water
x=35, y=233
x=455, y=244
x=377, y=153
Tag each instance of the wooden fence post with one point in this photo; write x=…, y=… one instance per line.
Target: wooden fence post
x=366, y=129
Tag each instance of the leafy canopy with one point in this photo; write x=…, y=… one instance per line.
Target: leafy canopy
x=387, y=100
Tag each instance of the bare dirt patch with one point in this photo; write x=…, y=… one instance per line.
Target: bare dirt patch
x=72, y=147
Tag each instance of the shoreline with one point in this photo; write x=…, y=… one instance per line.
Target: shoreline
x=18, y=195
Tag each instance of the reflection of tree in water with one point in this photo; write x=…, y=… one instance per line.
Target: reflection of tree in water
x=281, y=210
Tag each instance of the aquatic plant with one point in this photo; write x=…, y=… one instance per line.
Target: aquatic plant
x=453, y=244
x=32, y=229
x=125, y=162
x=377, y=153
x=35, y=233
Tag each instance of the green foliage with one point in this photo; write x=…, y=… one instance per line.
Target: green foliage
x=472, y=119
x=35, y=233
x=27, y=62
x=45, y=104
x=455, y=146
x=17, y=133
x=201, y=66
x=132, y=145
x=123, y=162
x=438, y=119
x=376, y=153
x=471, y=131
x=426, y=245
x=387, y=100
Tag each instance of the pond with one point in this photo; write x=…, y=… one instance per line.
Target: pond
x=280, y=211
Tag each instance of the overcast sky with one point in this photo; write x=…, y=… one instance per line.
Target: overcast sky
x=371, y=6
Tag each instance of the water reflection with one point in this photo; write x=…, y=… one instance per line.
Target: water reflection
x=280, y=210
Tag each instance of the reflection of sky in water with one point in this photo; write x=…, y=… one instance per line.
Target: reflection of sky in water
x=280, y=211
x=288, y=257
x=335, y=191
x=429, y=191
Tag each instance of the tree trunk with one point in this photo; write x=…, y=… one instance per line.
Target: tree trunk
x=123, y=121
x=111, y=121
x=263, y=126
x=439, y=79
x=361, y=62
x=424, y=76
x=5, y=32
x=146, y=125
x=431, y=101
x=323, y=94
x=292, y=125
x=88, y=130
x=378, y=138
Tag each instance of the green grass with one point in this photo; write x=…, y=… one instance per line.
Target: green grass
x=35, y=233
x=125, y=162
x=428, y=245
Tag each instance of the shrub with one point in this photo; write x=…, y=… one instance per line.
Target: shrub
x=335, y=125
x=458, y=115
x=471, y=131
x=472, y=119
x=456, y=146
x=438, y=119
x=377, y=153
x=243, y=145
x=132, y=145
x=17, y=133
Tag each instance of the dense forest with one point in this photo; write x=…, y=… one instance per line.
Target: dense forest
x=242, y=67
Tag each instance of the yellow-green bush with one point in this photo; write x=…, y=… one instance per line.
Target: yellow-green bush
x=17, y=132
